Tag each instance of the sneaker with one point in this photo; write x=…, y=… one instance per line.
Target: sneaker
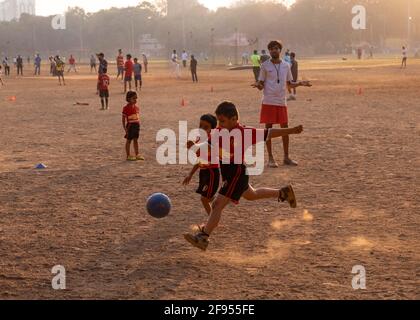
x=131, y=158
x=200, y=240
x=288, y=194
x=140, y=158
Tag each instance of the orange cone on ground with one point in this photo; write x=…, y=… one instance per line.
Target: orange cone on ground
x=183, y=103
x=360, y=91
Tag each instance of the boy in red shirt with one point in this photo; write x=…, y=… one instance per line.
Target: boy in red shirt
x=128, y=76
x=234, y=172
x=131, y=125
x=72, y=63
x=102, y=89
x=209, y=173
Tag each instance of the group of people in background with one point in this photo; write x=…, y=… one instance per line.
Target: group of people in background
x=176, y=67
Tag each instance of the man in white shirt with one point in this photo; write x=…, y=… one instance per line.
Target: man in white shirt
x=275, y=77
x=184, y=58
x=175, y=65
x=404, y=57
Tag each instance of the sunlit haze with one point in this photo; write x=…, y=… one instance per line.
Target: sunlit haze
x=48, y=7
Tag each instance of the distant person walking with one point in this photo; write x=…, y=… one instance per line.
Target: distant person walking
x=19, y=65
x=359, y=53
x=92, y=63
x=6, y=66
x=295, y=73
x=145, y=63
x=120, y=64
x=37, y=64
x=193, y=66
x=184, y=58
x=175, y=65
x=256, y=64
x=404, y=57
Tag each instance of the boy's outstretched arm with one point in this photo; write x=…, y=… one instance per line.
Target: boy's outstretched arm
x=187, y=180
x=276, y=133
x=296, y=84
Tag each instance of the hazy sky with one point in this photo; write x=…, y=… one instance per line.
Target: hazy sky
x=48, y=7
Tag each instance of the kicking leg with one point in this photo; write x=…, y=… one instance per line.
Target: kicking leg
x=283, y=194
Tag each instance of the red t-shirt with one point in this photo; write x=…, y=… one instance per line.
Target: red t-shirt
x=72, y=61
x=129, y=68
x=103, y=82
x=132, y=113
x=206, y=163
x=120, y=61
x=241, y=140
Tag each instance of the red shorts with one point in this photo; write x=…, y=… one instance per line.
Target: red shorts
x=274, y=115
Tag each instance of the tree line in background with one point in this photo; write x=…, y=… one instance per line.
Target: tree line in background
x=309, y=27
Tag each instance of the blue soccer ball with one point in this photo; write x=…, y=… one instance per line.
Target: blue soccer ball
x=159, y=205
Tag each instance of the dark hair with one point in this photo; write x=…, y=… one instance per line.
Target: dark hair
x=210, y=119
x=129, y=56
x=255, y=51
x=227, y=109
x=293, y=55
x=104, y=70
x=130, y=94
x=275, y=43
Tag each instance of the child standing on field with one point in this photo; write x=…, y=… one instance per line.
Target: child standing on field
x=137, y=74
x=102, y=89
x=128, y=73
x=131, y=125
x=209, y=173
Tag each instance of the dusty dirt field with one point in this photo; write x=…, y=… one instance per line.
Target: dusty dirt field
x=357, y=185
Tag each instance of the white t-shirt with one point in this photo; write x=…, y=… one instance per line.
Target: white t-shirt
x=404, y=53
x=184, y=56
x=275, y=77
x=174, y=58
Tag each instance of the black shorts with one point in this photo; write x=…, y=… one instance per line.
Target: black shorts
x=209, y=182
x=104, y=93
x=133, y=131
x=235, y=181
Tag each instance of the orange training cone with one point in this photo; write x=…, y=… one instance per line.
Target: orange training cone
x=12, y=98
x=183, y=102
x=360, y=91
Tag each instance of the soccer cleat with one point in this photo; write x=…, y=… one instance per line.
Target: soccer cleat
x=288, y=194
x=200, y=240
x=131, y=158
